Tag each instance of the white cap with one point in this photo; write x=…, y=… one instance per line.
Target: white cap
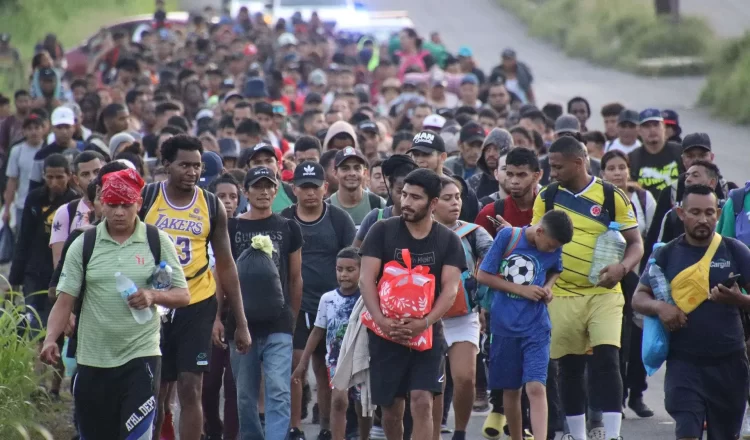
x=287, y=39
x=63, y=116
x=127, y=163
x=205, y=113
x=434, y=121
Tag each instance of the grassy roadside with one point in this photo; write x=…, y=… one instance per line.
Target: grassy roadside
x=28, y=21
x=727, y=90
x=624, y=35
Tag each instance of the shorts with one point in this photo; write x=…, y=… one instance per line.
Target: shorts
x=582, y=322
x=186, y=340
x=119, y=402
x=35, y=296
x=462, y=329
x=715, y=392
x=355, y=392
x=395, y=369
x=516, y=361
x=305, y=324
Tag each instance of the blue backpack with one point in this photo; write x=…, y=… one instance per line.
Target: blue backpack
x=469, y=289
x=741, y=217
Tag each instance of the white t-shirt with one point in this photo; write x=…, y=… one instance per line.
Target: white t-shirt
x=20, y=166
x=617, y=145
x=644, y=218
x=61, y=224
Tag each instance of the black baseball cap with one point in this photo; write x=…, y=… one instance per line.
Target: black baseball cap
x=47, y=73
x=696, y=140
x=309, y=173
x=262, y=148
x=472, y=132
x=255, y=174
x=348, y=153
x=368, y=126
x=629, y=116
x=427, y=141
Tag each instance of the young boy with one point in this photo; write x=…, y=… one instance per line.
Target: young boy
x=521, y=267
x=331, y=322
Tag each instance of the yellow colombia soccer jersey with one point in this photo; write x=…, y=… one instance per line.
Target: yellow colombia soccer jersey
x=590, y=220
x=188, y=227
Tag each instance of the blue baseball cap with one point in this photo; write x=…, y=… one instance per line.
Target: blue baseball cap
x=465, y=51
x=470, y=78
x=212, y=167
x=650, y=114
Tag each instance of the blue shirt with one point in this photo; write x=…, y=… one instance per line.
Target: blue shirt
x=512, y=315
x=712, y=329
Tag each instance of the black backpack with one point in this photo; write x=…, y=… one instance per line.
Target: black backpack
x=89, y=242
x=260, y=281
x=609, y=198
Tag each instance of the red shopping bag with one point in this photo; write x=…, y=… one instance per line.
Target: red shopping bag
x=405, y=292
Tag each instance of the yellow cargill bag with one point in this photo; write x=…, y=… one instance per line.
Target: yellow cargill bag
x=690, y=287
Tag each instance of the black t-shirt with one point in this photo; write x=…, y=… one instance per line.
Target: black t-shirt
x=439, y=248
x=655, y=172
x=287, y=238
x=713, y=329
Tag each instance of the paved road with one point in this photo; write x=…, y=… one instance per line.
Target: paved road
x=487, y=29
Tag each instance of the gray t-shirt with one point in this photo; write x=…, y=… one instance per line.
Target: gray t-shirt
x=364, y=207
x=370, y=220
x=323, y=239
x=20, y=164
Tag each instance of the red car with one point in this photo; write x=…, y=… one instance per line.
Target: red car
x=77, y=59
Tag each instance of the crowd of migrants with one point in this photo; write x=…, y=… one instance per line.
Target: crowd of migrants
x=280, y=171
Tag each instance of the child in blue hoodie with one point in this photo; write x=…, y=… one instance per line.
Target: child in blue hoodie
x=521, y=267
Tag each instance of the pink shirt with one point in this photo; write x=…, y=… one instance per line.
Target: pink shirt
x=61, y=225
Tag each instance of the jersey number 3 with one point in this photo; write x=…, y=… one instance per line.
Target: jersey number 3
x=184, y=249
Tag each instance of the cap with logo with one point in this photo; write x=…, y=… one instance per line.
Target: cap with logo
x=262, y=148
x=434, y=122
x=567, y=124
x=47, y=73
x=309, y=173
x=369, y=127
x=256, y=174
x=671, y=118
x=63, y=116
x=628, y=116
x=650, y=114
x=427, y=141
x=472, y=132
x=348, y=153
x=696, y=140
x=212, y=167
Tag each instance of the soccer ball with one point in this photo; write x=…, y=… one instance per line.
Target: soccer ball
x=519, y=270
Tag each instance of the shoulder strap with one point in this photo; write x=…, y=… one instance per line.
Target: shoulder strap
x=549, y=196
x=609, y=200
x=711, y=251
x=374, y=200
x=737, y=196
x=89, y=241
x=500, y=207
x=380, y=214
x=213, y=209
x=466, y=229
x=154, y=242
x=513, y=243
x=642, y=199
x=149, y=194
x=72, y=208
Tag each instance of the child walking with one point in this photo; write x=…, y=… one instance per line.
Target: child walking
x=331, y=323
x=521, y=267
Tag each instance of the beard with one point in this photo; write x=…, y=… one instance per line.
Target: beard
x=414, y=216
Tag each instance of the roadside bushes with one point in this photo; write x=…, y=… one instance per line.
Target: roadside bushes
x=727, y=90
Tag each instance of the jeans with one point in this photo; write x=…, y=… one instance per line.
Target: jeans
x=274, y=354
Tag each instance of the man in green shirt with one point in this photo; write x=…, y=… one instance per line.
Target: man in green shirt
x=351, y=166
x=264, y=155
x=118, y=358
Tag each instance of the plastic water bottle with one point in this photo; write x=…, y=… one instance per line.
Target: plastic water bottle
x=161, y=279
x=659, y=283
x=609, y=249
x=126, y=288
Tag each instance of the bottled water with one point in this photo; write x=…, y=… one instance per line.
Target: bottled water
x=161, y=279
x=609, y=249
x=126, y=288
x=659, y=284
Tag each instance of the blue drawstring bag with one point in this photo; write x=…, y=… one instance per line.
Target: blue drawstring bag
x=6, y=245
x=655, y=344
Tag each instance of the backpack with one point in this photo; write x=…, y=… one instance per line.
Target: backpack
x=468, y=287
x=149, y=194
x=741, y=217
x=499, y=207
x=609, y=198
x=374, y=199
x=72, y=211
x=380, y=214
x=485, y=299
x=89, y=242
x=260, y=280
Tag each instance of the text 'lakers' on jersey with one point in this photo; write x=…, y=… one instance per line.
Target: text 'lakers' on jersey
x=188, y=227
x=590, y=219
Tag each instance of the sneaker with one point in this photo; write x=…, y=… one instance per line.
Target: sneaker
x=296, y=434
x=377, y=433
x=567, y=437
x=481, y=403
x=167, y=428
x=325, y=435
x=597, y=433
x=493, y=426
x=640, y=408
x=444, y=429
x=527, y=435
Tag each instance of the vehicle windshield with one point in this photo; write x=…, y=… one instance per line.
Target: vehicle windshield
x=312, y=3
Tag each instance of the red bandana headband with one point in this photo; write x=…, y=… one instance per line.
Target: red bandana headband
x=122, y=188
